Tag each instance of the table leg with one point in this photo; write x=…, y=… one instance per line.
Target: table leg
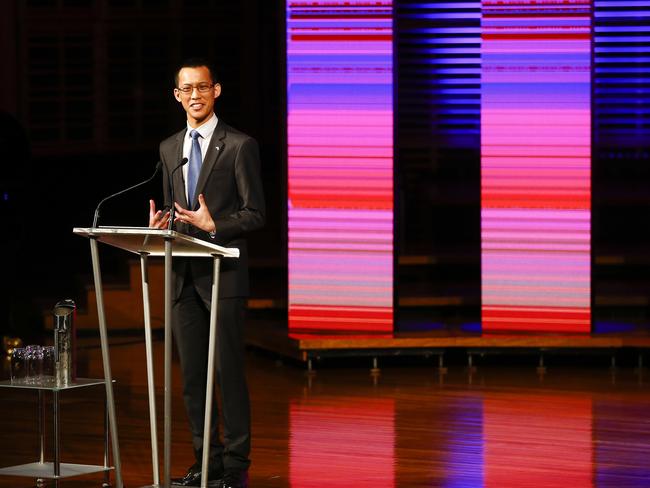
x=40, y=482
x=107, y=473
x=57, y=437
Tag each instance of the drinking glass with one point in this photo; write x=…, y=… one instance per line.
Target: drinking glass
x=19, y=365
x=34, y=363
x=48, y=371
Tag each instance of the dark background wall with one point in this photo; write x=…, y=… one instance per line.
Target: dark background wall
x=437, y=163
x=86, y=98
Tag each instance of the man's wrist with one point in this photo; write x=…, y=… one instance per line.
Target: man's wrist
x=213, y=232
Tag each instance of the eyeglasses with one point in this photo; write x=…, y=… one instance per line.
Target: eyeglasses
x=201, y=87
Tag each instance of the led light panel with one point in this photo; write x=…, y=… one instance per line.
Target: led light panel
x=340, y=165
x=536, y=165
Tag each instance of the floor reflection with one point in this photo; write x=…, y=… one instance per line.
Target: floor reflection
x=540, y=440
x=526, y=437
x=622, y=444
x=463, y=448
x=339, y=441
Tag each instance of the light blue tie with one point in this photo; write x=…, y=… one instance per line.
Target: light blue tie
x=194, y=168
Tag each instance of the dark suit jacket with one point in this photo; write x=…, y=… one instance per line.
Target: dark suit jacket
x=232, y=186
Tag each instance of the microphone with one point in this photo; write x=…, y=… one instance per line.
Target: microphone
x=172, y=210
x=96, y=218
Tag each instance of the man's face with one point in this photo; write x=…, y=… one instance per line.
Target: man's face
x=197, y=94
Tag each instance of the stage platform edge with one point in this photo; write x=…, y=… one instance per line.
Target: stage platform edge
x=275, y=339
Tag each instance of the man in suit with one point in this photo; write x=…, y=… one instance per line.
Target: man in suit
x=219, y=199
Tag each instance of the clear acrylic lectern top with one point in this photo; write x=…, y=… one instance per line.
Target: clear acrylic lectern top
x=140, y=240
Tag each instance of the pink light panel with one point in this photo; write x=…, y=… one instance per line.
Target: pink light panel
x=536, y=165
x=340, y=165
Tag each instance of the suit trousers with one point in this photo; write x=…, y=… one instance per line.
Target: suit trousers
x=191, y=328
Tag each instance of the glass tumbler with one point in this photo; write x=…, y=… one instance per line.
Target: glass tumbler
x=48, y=370
x=34, y=363
x=19, y=365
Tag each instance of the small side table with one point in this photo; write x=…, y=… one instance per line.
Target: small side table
x=57, y=470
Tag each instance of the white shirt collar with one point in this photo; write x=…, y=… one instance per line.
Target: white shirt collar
x=205, y=129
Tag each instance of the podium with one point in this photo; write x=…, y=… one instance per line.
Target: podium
x=148, y=242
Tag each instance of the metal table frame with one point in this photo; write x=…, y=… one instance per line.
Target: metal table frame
x=56, y=469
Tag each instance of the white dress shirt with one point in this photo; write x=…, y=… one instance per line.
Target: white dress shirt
x=206, y=130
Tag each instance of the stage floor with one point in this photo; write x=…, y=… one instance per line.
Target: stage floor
x=408, y=426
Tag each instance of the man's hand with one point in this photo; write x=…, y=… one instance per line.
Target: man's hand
x=157, y=220
x=200, y=219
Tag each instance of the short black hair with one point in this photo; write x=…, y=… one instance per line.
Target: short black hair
x=197, y=62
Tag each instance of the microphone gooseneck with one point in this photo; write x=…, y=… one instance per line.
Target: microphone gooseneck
x=172, y=210
x=96, y=217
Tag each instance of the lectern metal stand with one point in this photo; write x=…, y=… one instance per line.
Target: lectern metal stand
x=108, y=377
x=167, y=430
x=150, y=380
x=212, y=343
x=154, y=242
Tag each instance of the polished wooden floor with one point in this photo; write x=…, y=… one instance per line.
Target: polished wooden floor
x=408, y=427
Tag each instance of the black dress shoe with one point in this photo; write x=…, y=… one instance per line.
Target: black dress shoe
x=234, y=479
x=193, y=476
